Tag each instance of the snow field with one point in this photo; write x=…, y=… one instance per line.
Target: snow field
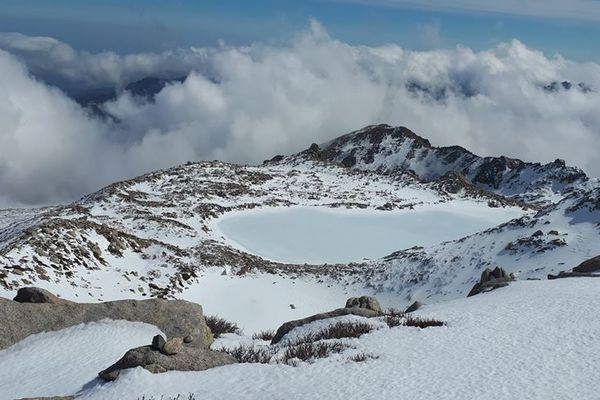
x=532, y=340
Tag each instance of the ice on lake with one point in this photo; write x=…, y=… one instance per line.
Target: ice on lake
x=317, y=235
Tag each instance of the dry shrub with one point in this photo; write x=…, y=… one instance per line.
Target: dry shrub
x=311, y=351
x=422, y=322
x=219, y=326
x=264, y=335
x=362, y=357
x=251, y=354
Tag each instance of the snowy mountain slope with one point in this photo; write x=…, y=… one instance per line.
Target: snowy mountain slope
x=506, y=344
x=153, y=234
x=389, y=149
x=156, y=235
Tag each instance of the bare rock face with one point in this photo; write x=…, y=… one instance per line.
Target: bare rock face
x=414, y=307
x=587, y=269
x=367, y=302
x=176, y=318
x=492, y=279
x=188, y=358
x=38, y=295
x=589, y=266
x=288, y=326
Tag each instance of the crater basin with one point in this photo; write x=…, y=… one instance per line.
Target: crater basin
x=320, y=235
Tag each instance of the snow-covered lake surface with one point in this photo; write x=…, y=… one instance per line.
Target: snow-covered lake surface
x=317, y=235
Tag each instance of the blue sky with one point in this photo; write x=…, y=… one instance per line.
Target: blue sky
x=554, y=26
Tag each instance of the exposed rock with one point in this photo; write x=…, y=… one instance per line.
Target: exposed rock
x=538, y=233
x=37, y=295
x=288, y=326
x=158, y=342
x=173, y=346
x=50, y=398
x=490, y=280
x=591, y=265
x=188, y=339
x=367, y=302
x=587, y=269
x=414, y=307
x=567, y=274
x=188, y=359
x=176, y=318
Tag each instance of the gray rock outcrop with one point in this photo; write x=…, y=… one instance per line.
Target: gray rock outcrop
x=589, y=266
x=176, y=318
x=367, y=302
x=38, y=295
x=352, y=310
x=587, y=269
x=490, y=280
x=188, y=358
x=414, y=307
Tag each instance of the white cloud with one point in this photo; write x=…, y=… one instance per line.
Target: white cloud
x=572, y=9
x=246, y=104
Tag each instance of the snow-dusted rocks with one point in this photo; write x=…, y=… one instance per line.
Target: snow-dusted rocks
x=492, y=279
x=367, y=302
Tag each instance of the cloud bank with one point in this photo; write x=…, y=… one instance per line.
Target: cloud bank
x=573, y=9
x=246, y=104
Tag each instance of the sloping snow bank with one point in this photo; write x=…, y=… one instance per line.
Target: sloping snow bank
x=67, y=361
x=264, y=301
x=532, y=340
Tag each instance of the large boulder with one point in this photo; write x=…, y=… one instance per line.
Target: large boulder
x=490, y=280
x=38, y=295
x=288, y=326
x=188, y=358
x=176, y=318
x=367, y=302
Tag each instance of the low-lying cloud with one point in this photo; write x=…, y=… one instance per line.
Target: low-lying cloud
x=246, y=104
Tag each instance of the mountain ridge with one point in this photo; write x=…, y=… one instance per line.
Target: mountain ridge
x=155, y=235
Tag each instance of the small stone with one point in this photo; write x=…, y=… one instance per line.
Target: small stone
x=173, y=346
x=158, y=342
x=188, y=339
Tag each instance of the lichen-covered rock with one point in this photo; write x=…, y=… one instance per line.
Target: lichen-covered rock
x=367, y=302
x=173, y=346
x=176, y=318
x=288, y=326
x=187, y=359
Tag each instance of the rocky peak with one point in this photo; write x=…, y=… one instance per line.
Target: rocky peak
x=387, y=149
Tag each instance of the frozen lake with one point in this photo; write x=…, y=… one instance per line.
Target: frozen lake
x=317, y=235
